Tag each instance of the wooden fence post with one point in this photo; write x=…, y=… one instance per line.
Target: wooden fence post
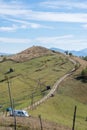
x=40, y=122
x=74, y=118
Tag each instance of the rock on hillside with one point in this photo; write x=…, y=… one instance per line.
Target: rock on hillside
x=33, y=52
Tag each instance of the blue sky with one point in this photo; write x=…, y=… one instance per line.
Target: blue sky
x=49, y=23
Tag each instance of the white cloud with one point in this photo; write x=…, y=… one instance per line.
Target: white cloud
x=23, y=13
x=25, y=24
x=68, y=42
x=54, y=4
x=52, y=39
x=18, y=16
x=41, y=40
x=58, y=17
x=9, y=28
x=84, y=26
x=14, y=40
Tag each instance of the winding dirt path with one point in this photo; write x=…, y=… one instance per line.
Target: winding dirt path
x=34, y=123
x=54, y=88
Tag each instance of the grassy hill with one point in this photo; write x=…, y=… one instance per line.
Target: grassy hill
x=29, y=79
x=60, y=108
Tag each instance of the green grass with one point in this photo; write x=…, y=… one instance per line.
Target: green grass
x=74, y=88
x=31, y=77
x=60, y=109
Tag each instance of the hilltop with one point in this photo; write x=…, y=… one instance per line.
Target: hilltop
x=30, y=53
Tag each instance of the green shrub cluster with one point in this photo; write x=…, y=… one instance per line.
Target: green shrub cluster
x=84, y=74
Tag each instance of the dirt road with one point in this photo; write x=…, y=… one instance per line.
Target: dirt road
x=54, y=88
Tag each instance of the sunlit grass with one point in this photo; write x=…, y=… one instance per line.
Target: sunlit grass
x=31, y=77
x=60, y=109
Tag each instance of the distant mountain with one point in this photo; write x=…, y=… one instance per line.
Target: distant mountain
x=57, y=49
x=80, y=53
x=4, y=54
x=76, y=53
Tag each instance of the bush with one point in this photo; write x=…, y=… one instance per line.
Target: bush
x=84, y=74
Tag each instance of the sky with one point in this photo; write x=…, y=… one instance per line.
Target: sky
x=48, y=23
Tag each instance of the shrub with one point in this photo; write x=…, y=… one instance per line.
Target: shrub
x=84, y=74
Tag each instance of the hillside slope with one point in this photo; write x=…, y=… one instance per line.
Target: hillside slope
x=76, y=88
x=33, y=52
x=28, y=85
x=29, y=80
x=60, y=108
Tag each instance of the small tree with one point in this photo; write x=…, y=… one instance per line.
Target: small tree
x=66, y=52
x=4, y=58
x=84, y=74
x=70, y=54
x=85, y=58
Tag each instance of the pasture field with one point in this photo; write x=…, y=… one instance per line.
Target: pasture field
x=29, y=79
x=60, y=108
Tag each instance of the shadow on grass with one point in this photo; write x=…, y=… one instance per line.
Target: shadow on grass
x=82, y=79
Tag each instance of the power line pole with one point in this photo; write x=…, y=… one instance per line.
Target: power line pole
x=15, y=123
x=74, y=118
x=11, y=102
x=39, y=83
x=10, y=96
x=32, y=98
